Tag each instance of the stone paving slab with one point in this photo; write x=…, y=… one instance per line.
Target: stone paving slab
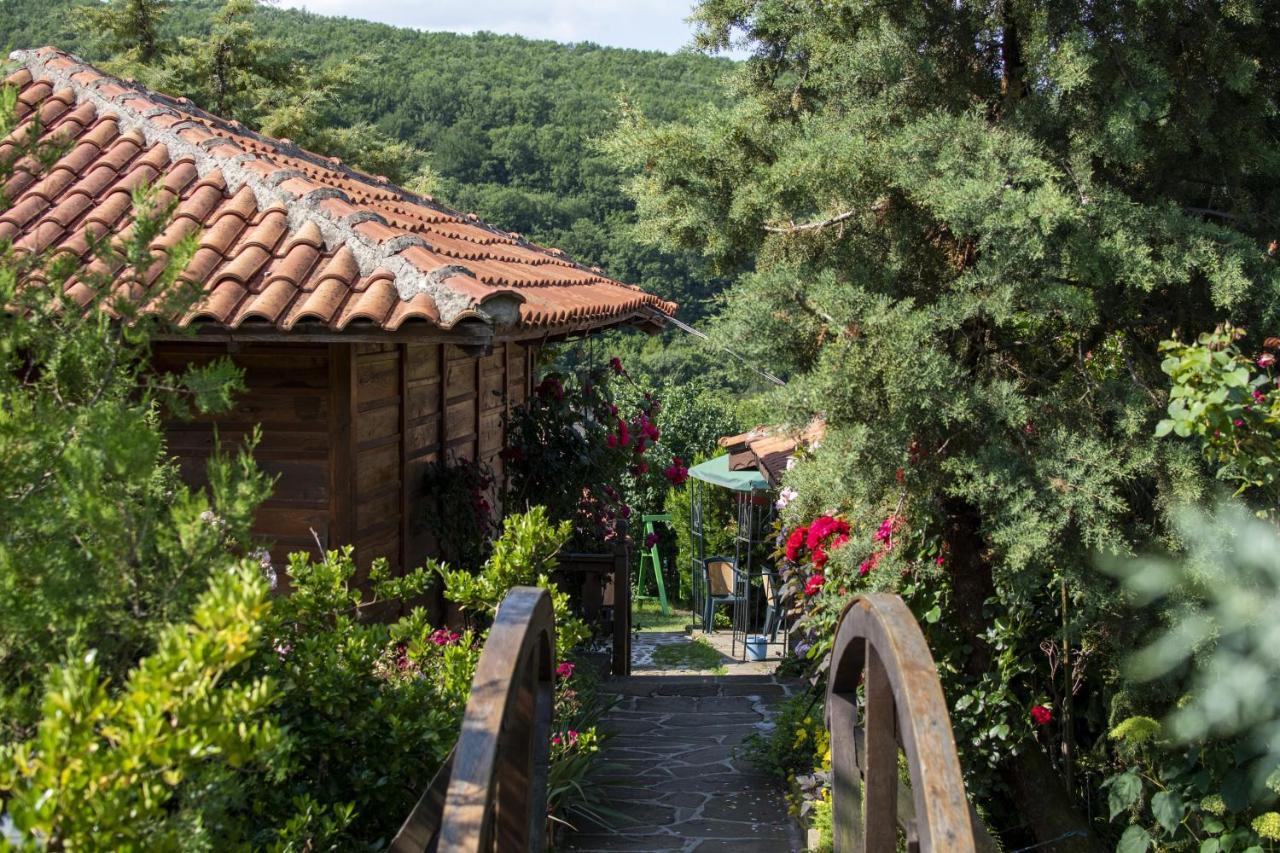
x=645, y=643
x=674, y=770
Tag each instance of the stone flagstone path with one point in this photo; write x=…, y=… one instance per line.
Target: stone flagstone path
x=674, y=771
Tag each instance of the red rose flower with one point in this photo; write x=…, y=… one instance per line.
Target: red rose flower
x=1040, y=715
x=819, y=557
x=822, y=527
x=795, y=542
x=814, y=584
x=676, y=473
x=616, y=364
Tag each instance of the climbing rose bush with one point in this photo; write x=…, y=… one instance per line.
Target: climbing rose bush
x=575, y=430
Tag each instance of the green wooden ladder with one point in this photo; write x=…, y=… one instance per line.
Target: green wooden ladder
x=649, y=557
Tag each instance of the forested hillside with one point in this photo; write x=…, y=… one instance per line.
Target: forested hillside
x=507, y=126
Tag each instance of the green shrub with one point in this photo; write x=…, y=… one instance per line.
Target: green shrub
x=127, y=768
x=524, y=555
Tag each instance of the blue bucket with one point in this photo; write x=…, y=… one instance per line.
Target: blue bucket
x=757, y=647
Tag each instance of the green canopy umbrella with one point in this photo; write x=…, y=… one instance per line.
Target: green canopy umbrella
x=754, y=510
x=717, y=471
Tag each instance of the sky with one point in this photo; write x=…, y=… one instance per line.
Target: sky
x=644, y=24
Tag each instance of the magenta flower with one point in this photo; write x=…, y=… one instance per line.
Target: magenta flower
x=1266, y=360
x=565, y=669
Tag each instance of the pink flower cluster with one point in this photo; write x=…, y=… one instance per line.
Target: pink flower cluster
x=570, y=737
x=819, y=537
x=884, y=544
x=445, y=637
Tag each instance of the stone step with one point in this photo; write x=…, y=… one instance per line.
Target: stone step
x=675, y=771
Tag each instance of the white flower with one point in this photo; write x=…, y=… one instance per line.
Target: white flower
x=263, y=556
x=786, y=496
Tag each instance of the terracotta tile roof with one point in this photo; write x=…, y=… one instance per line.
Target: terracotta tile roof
x=288, y=239
x=769, y=449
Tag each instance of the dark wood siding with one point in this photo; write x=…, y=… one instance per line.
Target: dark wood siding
x=378, y=460
x=350, y=430
x=463, y=418
x=288, y=394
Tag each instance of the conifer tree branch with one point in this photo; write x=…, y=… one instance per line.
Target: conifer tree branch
x=792, y=228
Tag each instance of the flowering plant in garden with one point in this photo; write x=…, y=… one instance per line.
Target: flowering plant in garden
x=1229, y=401
x=575, y=744
x=578, y=430
x=459, y=510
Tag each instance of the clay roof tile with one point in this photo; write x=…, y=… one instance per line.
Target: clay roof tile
x=295, y=237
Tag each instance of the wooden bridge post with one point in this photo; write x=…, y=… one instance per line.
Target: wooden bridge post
x=621, y=664
x=879, y=645
x=491, y=793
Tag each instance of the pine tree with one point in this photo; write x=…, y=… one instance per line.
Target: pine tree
x=234, y=72
x=130, y=27
x=965, y=228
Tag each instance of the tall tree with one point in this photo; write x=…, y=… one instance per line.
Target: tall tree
x=130, y=27
x=971, y=225
x=234, y=71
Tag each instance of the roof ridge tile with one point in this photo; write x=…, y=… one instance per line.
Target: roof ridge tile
x=53, y=68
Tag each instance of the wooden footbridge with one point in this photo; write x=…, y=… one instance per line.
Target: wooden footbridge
x=883, y=699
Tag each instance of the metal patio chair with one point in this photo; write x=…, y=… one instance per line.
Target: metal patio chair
x=722, y=587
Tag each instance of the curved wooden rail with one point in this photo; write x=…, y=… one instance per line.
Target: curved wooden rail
x=879, y=638
x=495, y=798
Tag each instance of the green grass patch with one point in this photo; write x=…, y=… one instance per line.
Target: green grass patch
x=647, y=616
x=694, y=654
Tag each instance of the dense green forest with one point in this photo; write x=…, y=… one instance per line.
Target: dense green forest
x=503, y=126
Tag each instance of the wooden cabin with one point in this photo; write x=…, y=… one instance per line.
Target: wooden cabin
x=376, y=328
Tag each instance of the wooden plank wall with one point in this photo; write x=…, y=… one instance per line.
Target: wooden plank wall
x=350, y=429
x=405, y=417
x=378, y=431
x=289, y=395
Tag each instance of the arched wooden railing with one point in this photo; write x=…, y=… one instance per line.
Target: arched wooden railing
x=491, y=793
x=879, y=642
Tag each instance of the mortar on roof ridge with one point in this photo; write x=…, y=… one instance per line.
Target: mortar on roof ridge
x=368, y=253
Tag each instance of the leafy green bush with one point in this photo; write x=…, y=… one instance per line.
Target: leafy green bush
x=124, y=768
x=1230, y=404
x=524, y=555
x=1209, y=768
x=103, y=546
x=371, y=707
